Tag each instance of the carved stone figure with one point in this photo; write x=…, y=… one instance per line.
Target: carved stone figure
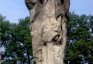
x=48, y=20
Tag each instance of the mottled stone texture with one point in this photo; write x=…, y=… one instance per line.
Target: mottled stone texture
x=48, y=29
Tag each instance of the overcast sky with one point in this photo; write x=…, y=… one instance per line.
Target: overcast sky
x=16, y=9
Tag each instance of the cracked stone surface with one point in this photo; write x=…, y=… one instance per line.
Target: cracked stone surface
x=48, y=29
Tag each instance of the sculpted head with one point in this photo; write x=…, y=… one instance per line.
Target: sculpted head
x=48, y=7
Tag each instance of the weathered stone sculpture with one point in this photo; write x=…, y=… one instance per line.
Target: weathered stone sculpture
x=48, y=29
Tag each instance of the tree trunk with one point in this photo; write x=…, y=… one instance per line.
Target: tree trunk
x=48, y=29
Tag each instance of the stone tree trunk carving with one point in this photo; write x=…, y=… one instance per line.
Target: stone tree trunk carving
x=48, y=29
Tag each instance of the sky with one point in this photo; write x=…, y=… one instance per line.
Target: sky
x=13, y=10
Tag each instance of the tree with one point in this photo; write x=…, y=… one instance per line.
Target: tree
x=4, y=30
x=17, y=42
x=80, y=44
x=48, y=29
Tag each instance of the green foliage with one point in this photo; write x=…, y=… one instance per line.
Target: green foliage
x=80, y=43
x=4, y=29
x=16, y=40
